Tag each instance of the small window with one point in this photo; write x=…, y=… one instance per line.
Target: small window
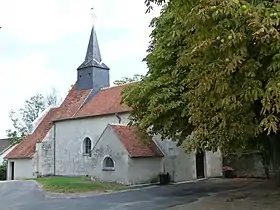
x=80, y=76
x=87, y=146
x=108, y=164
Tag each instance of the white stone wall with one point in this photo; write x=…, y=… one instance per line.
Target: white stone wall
x=45, y=155
x=9, y=171
x=41, y=164
x=23, y=169
x=69, y=149
x=110, y=146
x=180, y=165
x=143, y=170
x=185, y=167
x=214, y=164
x=69, y=143
x=248, y=165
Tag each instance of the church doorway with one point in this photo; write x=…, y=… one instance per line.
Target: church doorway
x=200, y=164
x=12, y=170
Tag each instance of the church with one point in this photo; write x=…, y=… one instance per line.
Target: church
x=87, y=135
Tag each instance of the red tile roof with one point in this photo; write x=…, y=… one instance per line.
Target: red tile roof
x=26, y=148
x=106, y=101
x=133, y=143
x=72, y=103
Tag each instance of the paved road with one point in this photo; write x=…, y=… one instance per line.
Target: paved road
x=26, y=195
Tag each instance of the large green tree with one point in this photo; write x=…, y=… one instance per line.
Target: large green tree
x=214, y=72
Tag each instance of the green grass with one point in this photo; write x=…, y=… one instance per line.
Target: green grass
x=75, y=185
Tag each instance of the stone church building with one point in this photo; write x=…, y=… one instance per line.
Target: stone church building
x=87, y=135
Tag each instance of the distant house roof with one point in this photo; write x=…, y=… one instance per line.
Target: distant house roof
x=5, y=144
x=26, y=148
x=136, y=147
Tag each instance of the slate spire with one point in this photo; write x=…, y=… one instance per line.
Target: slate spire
x=93, y=55
x=93, y=73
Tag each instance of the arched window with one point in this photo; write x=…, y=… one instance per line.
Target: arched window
x=87, y=146
x=108, y=164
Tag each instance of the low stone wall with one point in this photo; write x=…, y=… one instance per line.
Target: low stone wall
x=248, y=165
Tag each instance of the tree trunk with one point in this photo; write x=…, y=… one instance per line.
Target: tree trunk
x=265, y=162
x=275, y=143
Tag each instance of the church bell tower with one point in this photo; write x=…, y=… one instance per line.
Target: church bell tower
x=93, y=73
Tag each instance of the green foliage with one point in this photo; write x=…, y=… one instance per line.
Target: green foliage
x=213, y=72
x=124, y=80
x=150, y=3
x=31, y=110
x=23, y=118
x=3, y=171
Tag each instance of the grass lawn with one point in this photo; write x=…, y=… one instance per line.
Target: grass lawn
x=75, y=185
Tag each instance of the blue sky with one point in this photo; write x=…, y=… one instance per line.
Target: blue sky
x=43, y=42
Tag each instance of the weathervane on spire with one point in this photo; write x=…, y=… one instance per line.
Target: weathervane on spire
x=93, y=16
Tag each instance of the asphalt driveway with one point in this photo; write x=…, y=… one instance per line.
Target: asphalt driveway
x=26, y=195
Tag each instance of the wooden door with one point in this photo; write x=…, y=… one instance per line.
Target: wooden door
x=12, y=170
x=200, y=165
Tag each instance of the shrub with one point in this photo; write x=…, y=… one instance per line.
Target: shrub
x=3, y=171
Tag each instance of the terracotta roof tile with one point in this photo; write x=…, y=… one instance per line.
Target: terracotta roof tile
x=134, y=144
x=72, y=103
x=106, y=101
x=26, y=148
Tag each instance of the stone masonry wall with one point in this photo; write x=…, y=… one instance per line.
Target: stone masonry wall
x=248, y=165
x=45, y=155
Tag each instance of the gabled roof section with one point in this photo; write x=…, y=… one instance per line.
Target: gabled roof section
x=4, y=144
x=93, y=55
x=42, y=115
x=136, y=147
x=26, y=148
x=106, y=101
x=72, y=103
